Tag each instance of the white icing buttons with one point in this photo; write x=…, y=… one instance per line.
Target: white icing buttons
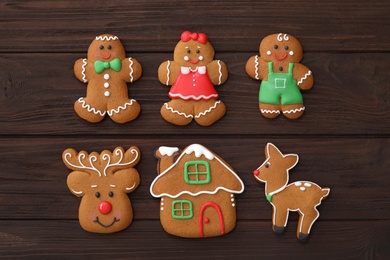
x=106, y=76
x=106, y=85
x=291, y=53
x=268, y=53
x=107, y=93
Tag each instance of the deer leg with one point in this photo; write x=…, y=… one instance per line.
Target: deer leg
x=306, y=220
x=279, y=220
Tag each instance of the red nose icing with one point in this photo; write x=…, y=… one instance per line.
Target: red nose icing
x=256, y=172
x=105, y=207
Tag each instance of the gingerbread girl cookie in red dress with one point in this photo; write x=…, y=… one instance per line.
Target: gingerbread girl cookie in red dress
x=106, y=70
x=193, y=74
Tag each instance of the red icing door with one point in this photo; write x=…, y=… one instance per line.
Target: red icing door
x=203, y=220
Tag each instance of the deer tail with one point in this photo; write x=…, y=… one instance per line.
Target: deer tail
x=325, y=192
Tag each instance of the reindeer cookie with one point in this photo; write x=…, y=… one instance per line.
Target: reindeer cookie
x=106, y=70
x=193, y=74
x=103, y=181
x=282, y=76
x=301, y=196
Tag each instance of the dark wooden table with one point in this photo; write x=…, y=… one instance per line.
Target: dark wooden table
x=342, y=139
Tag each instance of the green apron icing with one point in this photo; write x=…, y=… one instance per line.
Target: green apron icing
x=280, y=88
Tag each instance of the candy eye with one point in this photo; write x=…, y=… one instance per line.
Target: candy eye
x=267, y=165
x=197, y=51
x=110, y=194
x=188, y=51
x=101, y=47
x=110, y=47
x=286, y=48
x=97, y=194
x=276, y=46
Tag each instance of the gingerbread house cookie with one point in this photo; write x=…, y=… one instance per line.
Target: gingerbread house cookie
x=196, y=190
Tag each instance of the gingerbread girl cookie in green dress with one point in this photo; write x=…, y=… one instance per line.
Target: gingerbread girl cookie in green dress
x=282, y=76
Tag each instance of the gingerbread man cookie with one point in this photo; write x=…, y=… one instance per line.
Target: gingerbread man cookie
x=193, y=74
x=106, y=70
x=103, y=181
x=282, y=76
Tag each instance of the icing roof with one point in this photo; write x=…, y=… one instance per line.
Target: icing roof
x=171, y=182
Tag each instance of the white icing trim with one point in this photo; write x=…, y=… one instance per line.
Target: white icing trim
x=83, y=167
x=94, y=186
x=113, y=185
x=294, y=110
x=116, y=111
x=132, y=187
x=169, y=151
x=131, y=69
x=257, y=67
x=83, y=71
x=177, y=112
x=208, y=110
x=199, y=150
x=193, y=97
x=89, y=108
x=304, y=77
x=270, y=111
x=220, y=72
x=106, y=157
x=76, y=192
x=168, y=72
x=282, y=37
x=192, y=147
x=106, y=38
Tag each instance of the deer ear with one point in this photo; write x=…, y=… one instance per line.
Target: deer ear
x=291, y=160
x=78, y=182
x=272, y=151
x=126, y=180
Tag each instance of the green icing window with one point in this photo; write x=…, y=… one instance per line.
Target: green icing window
x=197, y=172
x=182, y=209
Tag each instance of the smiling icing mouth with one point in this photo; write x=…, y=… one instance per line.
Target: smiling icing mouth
x=106, y=226
x=105, y=56
x=282, y=58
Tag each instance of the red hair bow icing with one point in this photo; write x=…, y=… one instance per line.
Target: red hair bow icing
x=200, y=37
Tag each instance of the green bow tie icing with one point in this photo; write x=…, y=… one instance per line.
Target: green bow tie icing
x=100, y=65
x=269, y=197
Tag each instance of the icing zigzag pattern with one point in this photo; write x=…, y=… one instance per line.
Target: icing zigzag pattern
x=304, y=77
x=208, y=110
x=116, y=111
x=106, y=38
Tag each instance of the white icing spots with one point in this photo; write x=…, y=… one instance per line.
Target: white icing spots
x=106, y=76
x=162, y=208
x=186, y=58
x=232, y=199
x=201, y=57
x=169, y=151
x=106, y=38
x=307, y=184
x=106, y=85
x=298, y=183
x=269, y=53
x=302, y=188
x=233, y=205
x=107, y=93
x=94, y=186
x=112, y=185
x=199, y=150
x=291, y=53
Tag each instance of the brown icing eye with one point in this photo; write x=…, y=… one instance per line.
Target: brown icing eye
x=109, y=47
x=197, y=51
x=101, y=47
x=188, y=51
x=286, y=48
x=110, y=194
x=97, y=194
x=276, y=46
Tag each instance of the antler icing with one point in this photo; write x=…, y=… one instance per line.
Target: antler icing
x=102, y=164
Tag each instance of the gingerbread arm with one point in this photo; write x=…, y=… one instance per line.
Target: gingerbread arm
x=303, y=76
x=131, y=69
x=256, y=68
x=168, y=72
x=217, y=71
x=82, y=69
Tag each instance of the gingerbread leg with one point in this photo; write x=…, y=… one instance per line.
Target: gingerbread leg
x=306, y=220
x=280, y=216
x=124, y=111
x=88, y=110
x=177, y=111
x=269, y=110
x=293, y=111
x=208, y=112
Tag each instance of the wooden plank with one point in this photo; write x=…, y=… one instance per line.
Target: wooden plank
x=33, y=176
x=147, y=240
x=350, y=96
x=150, y=26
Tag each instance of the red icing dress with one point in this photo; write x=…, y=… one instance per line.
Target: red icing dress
x=193, y=85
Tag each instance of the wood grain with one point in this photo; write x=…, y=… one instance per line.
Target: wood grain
x=343, y=139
